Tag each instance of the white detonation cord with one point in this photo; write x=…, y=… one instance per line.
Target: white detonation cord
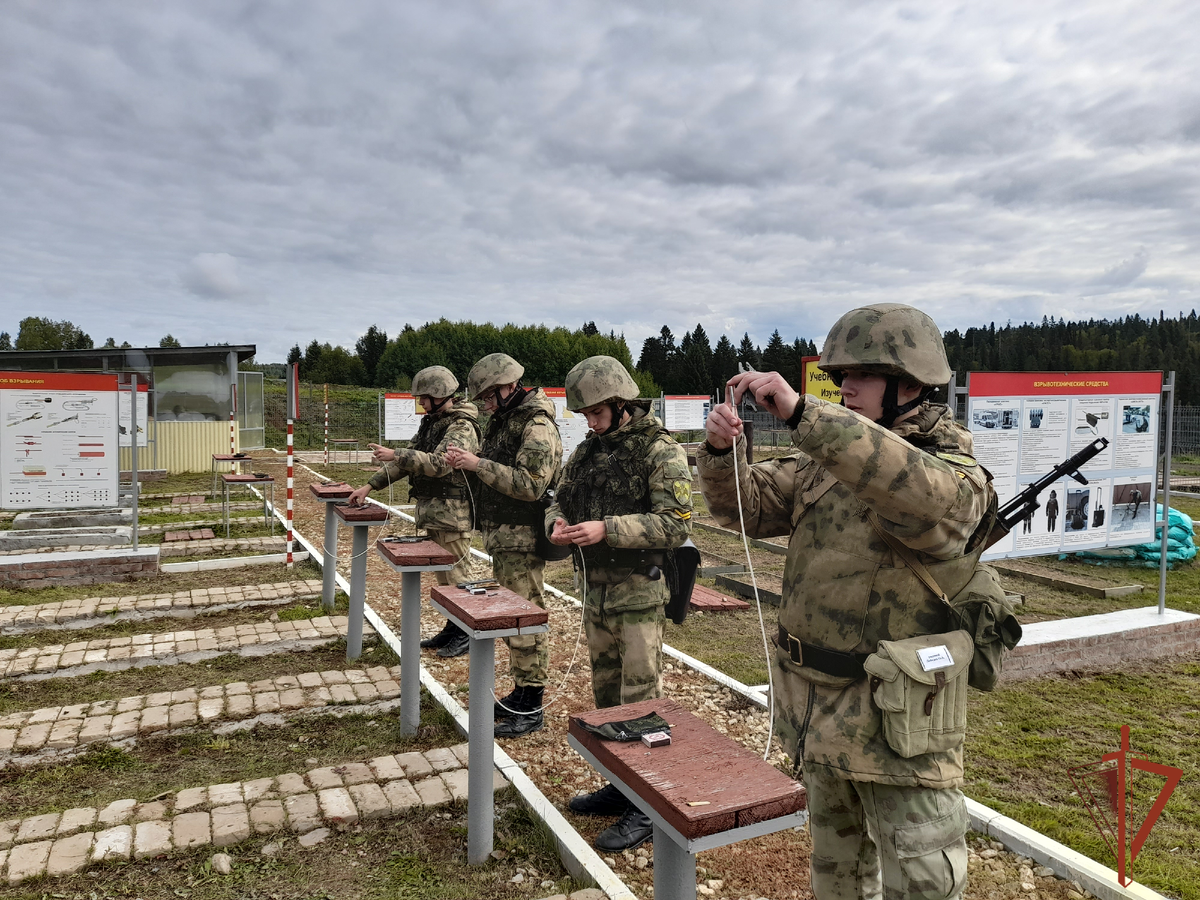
x=754, y=581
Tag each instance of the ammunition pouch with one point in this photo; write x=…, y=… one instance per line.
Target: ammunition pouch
x=426, y=488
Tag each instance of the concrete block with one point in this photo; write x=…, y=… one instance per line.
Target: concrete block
x=209, y=709
x=225, y=794
x=415, y=765
x=239, y=706
x=77, y=819
x=183, y=714
x=8, y=832
x=253, y=791
x=148, y=812
x=401, y=796
x=337, y=807
x=456, y=783
x=37, y=828
x=292, y=698
x=342, y=693
x=303, y=812
x=230, y=825
x=462, y=752
x=355, y=773
x=442, y=759
x=70, y=854
x=95, y=728
x=290, y=783
x=190, y=798
x=388, y=690
x=32, y=737
x=113, y=843
x=155, y=718
x=267, y=816
x=151, y=839
x=324, y=778
x=116, y=813
x=266, y=702
x=385, y=768
x=28, y=861
x=432, y=791
x=191, y=829
x=370, y=801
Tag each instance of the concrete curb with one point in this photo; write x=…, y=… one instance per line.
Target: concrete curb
x=231, y=562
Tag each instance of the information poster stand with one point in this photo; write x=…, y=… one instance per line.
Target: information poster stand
x=401, y=417
x=1025, y=423
x=572, y=426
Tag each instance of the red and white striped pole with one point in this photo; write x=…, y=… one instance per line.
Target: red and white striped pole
x=327, y=424
x=289, y=495
x=233, y=466
x=293, y=413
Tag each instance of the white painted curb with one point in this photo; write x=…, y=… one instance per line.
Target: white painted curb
x=228, y=562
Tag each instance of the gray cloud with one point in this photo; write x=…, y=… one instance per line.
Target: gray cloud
x=749, y=167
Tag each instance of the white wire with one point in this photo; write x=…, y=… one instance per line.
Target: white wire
x=757, y=600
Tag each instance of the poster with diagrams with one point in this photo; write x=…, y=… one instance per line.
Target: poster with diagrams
x=401, y=417
x=684, y=412
x=58, y=440
x=572, y=426
x=124, y=425
x=1025, y=423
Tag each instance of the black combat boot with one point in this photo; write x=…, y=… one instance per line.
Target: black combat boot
x=632, y=830
x=608, y=801
x=528, y=720
x=511, y=704
x=459, y=643
x=441, y=638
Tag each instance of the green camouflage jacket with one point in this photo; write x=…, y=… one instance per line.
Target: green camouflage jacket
x=667, y=520
x=437, y=513
x=843, y=587
x=535, y=466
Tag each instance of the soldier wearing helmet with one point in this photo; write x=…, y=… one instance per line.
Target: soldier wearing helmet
x=443, y=504
x=624, y=499
x=517, y=464
x=885, y=480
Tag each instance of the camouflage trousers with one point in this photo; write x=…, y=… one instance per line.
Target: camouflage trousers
x=458, y=543
x=625, y=649
x=883, y=841
x=528, y=655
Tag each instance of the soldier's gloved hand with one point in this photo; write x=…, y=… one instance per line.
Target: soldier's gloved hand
x=381, y=454
x=358, y=497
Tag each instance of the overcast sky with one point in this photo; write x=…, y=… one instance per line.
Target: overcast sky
x=272, y=172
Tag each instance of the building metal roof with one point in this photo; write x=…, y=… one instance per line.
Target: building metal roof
x=118, y=359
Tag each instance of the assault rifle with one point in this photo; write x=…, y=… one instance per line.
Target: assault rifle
x=1026, y=502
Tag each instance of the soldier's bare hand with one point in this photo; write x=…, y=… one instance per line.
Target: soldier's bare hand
x=557, y=536
x=769, y=390
x=358, y=497
x=585, y=533
x=381, y=454
x=458, y=458
x=722, y=427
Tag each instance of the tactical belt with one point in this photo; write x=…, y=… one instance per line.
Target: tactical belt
x=437, y=489
x=831, y=662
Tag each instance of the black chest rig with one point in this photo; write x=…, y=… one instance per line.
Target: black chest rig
x=501, y=444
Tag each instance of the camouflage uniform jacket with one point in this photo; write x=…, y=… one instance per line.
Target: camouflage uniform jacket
x=520, y=459
x=843, y=587
x=457, y=427
x=662, y=480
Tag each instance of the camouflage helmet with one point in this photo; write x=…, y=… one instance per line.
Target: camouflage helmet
x=596, y=380
x=494, y=370
x=435, y=381
x=887, y=339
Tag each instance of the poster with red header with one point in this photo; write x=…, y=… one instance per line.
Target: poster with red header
x=1025, y=423
x=58, y=440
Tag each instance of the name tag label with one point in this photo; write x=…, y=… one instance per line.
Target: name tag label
x=935, y=657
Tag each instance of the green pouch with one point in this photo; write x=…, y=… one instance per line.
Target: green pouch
x=920, y=686
x=630, y=729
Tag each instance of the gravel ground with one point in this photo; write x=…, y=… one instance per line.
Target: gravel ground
x=773, y=867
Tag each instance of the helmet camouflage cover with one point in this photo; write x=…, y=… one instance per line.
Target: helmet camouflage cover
x=887, y=339
x=435, y=381
x=596, y=380
x=494, y=370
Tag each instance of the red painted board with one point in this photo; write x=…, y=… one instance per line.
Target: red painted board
x=496, y=610
x=421, y=553
x=246, y=479
x=362, y=515
x=700, y=764
x=335, y=490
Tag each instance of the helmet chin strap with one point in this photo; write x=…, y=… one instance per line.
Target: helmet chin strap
x=436, y=407
x=892, y=410
x=616, y=411
x=513, y=399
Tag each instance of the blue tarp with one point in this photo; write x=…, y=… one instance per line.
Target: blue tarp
x=1181, y=546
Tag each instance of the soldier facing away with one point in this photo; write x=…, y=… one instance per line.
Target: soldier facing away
x=890, y=469
x=624, y=499
x=517, y=464
x=440, y=493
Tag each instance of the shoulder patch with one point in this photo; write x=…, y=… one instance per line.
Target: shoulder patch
x=683, y=492
x=959, y=459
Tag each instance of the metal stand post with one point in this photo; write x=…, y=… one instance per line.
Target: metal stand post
x=1169, y=390
x=674, y=868
x=329, y=570
x=410, y=652
x=480, y=759
x=358, y=593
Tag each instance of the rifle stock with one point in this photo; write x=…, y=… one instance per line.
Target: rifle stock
x=1026, y=502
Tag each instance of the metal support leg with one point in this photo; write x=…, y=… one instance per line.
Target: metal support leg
x=329, y=571
x=674, y=869
x=480, y=760
x=225, y=508
x=410, y=652
x=358, y=594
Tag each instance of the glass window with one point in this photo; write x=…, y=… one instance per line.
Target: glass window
x=197, y=393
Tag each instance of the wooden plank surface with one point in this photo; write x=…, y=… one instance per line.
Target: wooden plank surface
x=415, y=553
x=249, y=478
x=334, y=490
x=705, y=599
x=733, y=785
x=497, y=610
x=362, y=515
